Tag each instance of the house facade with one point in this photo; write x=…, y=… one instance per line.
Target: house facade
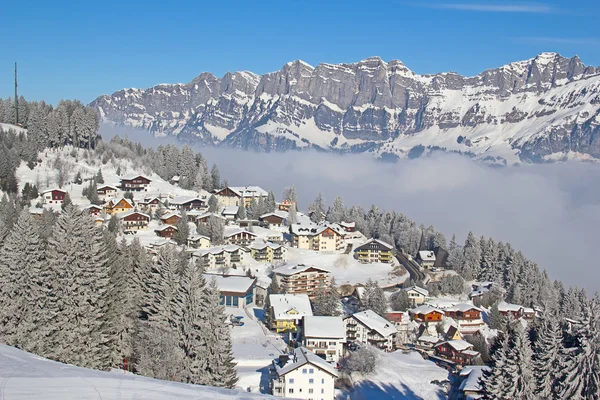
x=170, y=218
x=324, y=336
x=287, y=311
x=135, y=183
x=302, y=279
x=106, y=191
x=240, y=195
x=54, y=196
x=115, y=207
x=426, y=259
x=458, y=351
x=267, y=252
x=302, y=375
x=367, y=327
x=417, y=295
x=187, y=203
x=319, y=238
x=166, y=231
x=151, y=204
x=222, y=257
x=426, y=314
x=274, y=220
x=239, y=237
x=374, y=251
x=467, y=317
x=133, y=221
x=199, y=242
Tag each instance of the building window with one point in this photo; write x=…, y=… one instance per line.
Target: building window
x=303, y=370
x=291, y=381
x=291, y=390
x=310, y=391
x=322, y=391
x=323, y=380
x=311, y=371
x=311, y=381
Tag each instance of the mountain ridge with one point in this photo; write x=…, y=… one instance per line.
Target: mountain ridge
x=381, y=107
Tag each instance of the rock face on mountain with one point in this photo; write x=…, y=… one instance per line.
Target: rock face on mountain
x=543, y=109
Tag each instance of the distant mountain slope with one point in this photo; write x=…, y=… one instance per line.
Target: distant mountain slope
x=533, y=110
x=27, y=376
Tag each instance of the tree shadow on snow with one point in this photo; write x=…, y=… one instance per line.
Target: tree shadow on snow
x=367, y=390
x=264, y=380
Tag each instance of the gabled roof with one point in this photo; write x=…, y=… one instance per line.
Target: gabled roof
x=374, y=321
x=278, y=214
x=458, y=345
x=117, y=201
x=506, y=307
x=348, y=224
x=473, y=374
x=185, y=199
x=54, y=190
x=87, y=207
x=302, y=356
x=290, y=306
x=169, y=215
x=427, y=255
x=263, y=245
x=311, y=229
x=417, y=289
x=132, y=177
x=195, y=238
x=463, y=307
x=128, y=213
x=218, y=250
x=380, y=242
x=324, y=327
x=230, y=210
x=237, y=231
x=107, y=187
x=232, y=283
x=293, y=269
x=428, y=339
x=249, y=191
x=165, y=227
x=425, y=309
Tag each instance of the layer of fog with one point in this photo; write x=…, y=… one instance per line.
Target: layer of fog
x=550, y=212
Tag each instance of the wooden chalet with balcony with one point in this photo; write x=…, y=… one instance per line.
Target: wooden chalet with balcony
x=54, y=196
x=239, y=237
x=134, y=183
x=374, y=251
x=467, y=317
x=426, y=314
x=133, y=221
x=106, y=191
x=170, y=218
x=367, y=327
x=458, y=351
x=302, y=279
x=114, y=207
x=166, y=231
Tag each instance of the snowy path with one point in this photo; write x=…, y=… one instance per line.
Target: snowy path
x=27, y=376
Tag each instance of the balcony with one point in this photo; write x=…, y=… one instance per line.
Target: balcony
x=235, y=259
x=220, y=260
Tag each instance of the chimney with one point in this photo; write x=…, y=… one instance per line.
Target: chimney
x=283, y=359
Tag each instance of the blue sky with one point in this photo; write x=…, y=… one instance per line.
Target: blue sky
x=84, y=49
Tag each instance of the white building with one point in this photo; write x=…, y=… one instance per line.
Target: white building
x=368, y=327
x=302, y=375
x=222, y=257
x=325, y=336
x=288, y=310
x=234, y=290
x=426, y=258
x=417, y=295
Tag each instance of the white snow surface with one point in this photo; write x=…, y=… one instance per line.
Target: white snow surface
x=324, y=327
x=25, y=376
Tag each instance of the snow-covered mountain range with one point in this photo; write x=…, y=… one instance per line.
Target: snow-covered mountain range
x=542, y=109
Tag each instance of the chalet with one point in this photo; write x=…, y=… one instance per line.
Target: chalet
x=273, y=220
x=93, y=209
x=203, y=218
x=134, y=183
x=106, y=191
x=229, y=256
x=234, y=290
x=198, y=242
x=302, y=375
x=151, y=204
x=114, y=207
x=98, y=220
x=426, y=313
x=287, y=311
x=426, y=259
x=187, y=203
x=426, y=343
x=507, y=309
x=457, y=351
x=166, y=231
x=348, y=226
x=300, y=278
x=37, y=213
x=467, y=317
x=285, y=205
x=324, y=336
x=53, y=196
x=240, y=195
x=367, y=327
x=320, y=238
x=170, y=218
x=267, y=252
x=134, y=221
x=417, y=295
x=374, y=251
x=239, y=237
x=452, y=333
x=230, y=213
x=470, y=386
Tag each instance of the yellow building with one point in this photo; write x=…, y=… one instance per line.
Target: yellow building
x=267, y=252
x=118, y=206
x=321, y=238
x=374, y=251
x=286, y=311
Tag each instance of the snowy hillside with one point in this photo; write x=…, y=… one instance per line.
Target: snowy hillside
x=27, y=376
x=541, y=109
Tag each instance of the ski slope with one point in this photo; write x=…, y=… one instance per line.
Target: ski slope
x=27, y=376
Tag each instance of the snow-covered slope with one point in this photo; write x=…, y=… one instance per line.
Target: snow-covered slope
x=544, y=108
x=27, y=376
x=11, y=127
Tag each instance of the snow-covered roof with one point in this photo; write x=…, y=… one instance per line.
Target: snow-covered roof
x=427, y=255
x=161, y=242
x=195, y=238
x=263, y=245
x=293, y=269
x=348, y=224
x=132, y=177
x=381, y=242
x=463, y=307
x=218, y=250
x=117, y=201
x=303, y=356
x=209, y=214
x=428, y=339
x=87, y=207
x=230, y=210
x=184, y=199
x=170, y=215
x=232, y=231
x=36, y=210
x=506, y=307
x=107, y=187
x=232, y=283
x=164, y=227
x=249, y=191
x=324, y=327
x=128, y=213
x=290, y=306
x=374, y=321
x=418, y=289
x=54, y=190
x=280, y=214
x=458, y=345
x=473, y=374
x=425, y=309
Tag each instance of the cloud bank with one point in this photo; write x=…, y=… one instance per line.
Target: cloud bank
x=550, y=212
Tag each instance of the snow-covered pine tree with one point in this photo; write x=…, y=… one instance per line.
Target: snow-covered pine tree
x=220, y=362
x=23, y=275
x=337, y=211
x=521, y=366
x=289, y=194
x=215, y=176
x=373, y=298
x=270, y=204
x=494, y=382
x=183, y=230
x=547, y=353
x=77, y=313
x=241, y=214
x=292, y=215
x=316, y=209
x=213, y=204
x=162, y=287
x=327, y=301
